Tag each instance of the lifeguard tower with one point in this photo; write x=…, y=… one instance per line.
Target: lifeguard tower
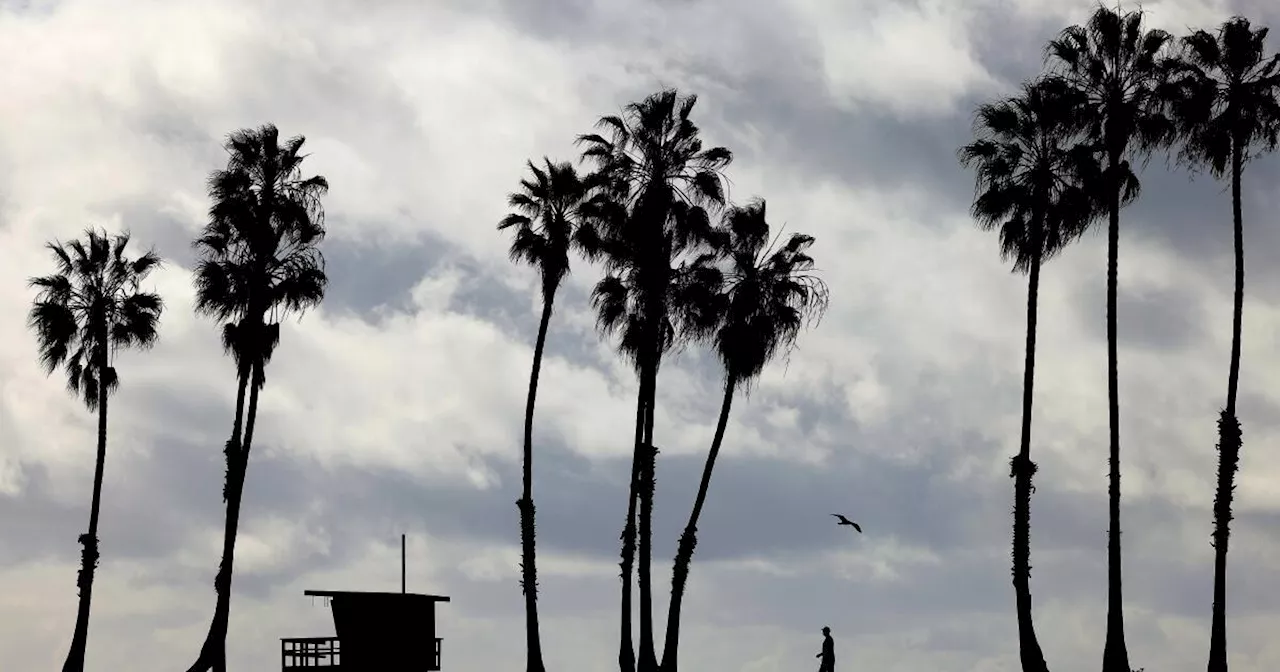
x=373, y=632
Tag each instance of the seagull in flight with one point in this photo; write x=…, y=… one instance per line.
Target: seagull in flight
x=846, y=521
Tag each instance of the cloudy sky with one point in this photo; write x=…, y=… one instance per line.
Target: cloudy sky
x=396, y=407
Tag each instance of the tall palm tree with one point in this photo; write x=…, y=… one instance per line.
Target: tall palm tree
x=87, y=310
x=547, y=211
x=765, y=297
x=662, y=181
x=259, y=262
x=1226, y=88
x=1031, y=176
x=1119, y=66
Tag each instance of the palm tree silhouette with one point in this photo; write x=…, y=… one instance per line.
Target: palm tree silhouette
x=259, y=262
x=763, y=300
x=547, y=212
x=1118, y=65
x=87, y=310
x=1226, y=89
x=660, y=180
x=1031, y=171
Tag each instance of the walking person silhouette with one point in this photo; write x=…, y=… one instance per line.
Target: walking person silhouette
x=828, y=654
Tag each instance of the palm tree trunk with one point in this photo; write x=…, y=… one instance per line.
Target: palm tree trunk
x=89, y=540
x=1115, y=655
x=528, y=566
x=648, y=658
x=213, y=651
x=689, y=539
x=1023, y=469
x=626, y=647
x=1229, y=439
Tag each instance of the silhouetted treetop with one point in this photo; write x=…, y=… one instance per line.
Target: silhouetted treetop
x=1224, y=92
x=259, y=258
x=1035, y=170
x=93, y=301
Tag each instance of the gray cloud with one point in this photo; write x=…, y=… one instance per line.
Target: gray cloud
x=1163, y=319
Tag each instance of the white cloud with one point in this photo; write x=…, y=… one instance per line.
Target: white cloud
x=915, y=59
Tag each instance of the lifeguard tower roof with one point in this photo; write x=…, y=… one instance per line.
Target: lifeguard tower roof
x=374, y=593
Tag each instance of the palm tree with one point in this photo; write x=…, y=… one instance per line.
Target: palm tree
x=1030, y=166
x=765, y=298
x=1118, y=65
x=1227, y=110
x=87, y=310
x=259, y=262
x=661, y=181
x=548, y=209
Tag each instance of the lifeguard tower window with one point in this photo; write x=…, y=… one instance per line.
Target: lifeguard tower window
x=388, y=632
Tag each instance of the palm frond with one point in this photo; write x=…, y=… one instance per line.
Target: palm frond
x=1224, y=96
x=259, y=259
x=1119, y=66
x=550, y=207
x=654, y=188
x=91, y=306
x=1034, y=166
x=766, y=294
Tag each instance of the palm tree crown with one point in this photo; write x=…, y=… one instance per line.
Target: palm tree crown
x=1033, y=170
x=259, y=256
x=1226, y=95
x=546, y=214
x=655, y=152
x=660, y=181
x=1120, y=67
x=768, y=295
x=92, y=306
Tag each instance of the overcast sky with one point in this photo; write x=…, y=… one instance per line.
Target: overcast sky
x=396, y=407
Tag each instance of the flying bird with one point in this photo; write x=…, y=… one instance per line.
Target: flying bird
x=846, y=521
